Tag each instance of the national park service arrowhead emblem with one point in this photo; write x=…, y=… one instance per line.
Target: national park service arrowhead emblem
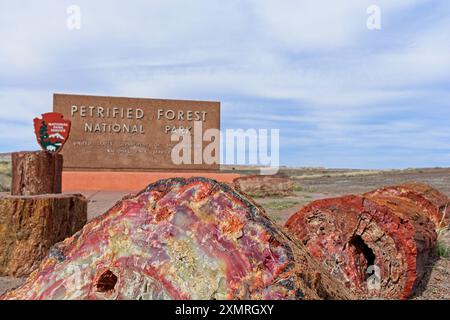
x=52, y=131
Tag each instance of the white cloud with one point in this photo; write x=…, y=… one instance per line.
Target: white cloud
x=22, y=106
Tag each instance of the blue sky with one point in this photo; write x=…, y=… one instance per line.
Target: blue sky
x=342, y=95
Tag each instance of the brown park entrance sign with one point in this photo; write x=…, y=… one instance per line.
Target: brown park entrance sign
x=130, y=134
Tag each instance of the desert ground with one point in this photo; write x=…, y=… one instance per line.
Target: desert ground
x=311, y=184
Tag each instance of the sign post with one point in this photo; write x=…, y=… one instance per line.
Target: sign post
x=36, y=215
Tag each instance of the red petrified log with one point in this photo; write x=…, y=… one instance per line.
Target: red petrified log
x=264, y=185
x=36, y=173
x=377, y=247
x=181, y=239
x=433, y=203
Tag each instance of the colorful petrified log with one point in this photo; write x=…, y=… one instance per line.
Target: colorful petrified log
x=433, y=203
x=181, y=239
x=377, y=248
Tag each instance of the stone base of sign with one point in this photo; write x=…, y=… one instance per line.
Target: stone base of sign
x=31, y=225
x=36, y=172
x=128, y=181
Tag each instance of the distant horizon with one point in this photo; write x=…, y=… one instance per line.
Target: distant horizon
x=3, y=154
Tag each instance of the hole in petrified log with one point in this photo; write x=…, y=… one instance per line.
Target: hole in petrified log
x=361, y=247
x=106, y=282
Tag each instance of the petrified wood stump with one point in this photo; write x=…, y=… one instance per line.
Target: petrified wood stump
x=30, y=225
x=352, y=234
x=264, y=185
x=435, y=205
x=35, y=173
x=181, y=239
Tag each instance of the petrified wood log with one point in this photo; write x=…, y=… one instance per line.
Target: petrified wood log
x=434, y=204
x=264, y=185
x=374, y=246
x=35, y=173
x=180, y=239
x=31, y=225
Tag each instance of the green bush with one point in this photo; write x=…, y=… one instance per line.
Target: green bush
x=299, y=188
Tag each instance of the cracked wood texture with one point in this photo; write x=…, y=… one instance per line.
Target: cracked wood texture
x=181, y=239
x=35, y=173
x=30, y=225
x=434, y=204
x=351, y=233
